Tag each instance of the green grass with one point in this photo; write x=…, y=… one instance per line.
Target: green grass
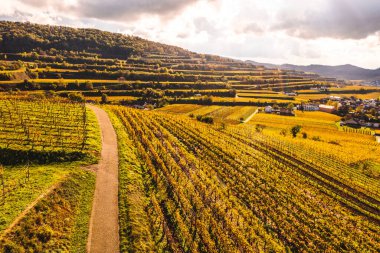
x=41, y=179
x=59, y=222
x=94, y=140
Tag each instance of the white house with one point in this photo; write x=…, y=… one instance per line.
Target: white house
x=310, y=107
x=268, y=109
x=335, y=98
x=326, y=108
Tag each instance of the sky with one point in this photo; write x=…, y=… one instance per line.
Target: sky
x=330, y=32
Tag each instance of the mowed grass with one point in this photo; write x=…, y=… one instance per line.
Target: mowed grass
x=57, y=223
x=20, y=191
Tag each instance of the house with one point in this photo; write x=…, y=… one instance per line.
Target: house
x=335, y=98
x=286, y=112
x=308, y=107
x=351, y=123
x=138, y=106
x=377, y=136
x=326, y=108
x=268, y=109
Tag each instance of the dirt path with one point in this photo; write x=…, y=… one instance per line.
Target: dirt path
x=104, y=224
x=251, y=116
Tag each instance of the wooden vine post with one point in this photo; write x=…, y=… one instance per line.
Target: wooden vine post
x=2, y=181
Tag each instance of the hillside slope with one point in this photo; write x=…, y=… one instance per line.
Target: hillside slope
x=346, y=72
x=18, y=37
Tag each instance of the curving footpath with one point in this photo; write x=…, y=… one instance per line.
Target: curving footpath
x=104, y=224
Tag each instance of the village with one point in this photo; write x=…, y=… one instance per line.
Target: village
x=355, y=112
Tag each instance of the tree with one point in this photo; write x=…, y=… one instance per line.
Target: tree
x=290, y=106
x=259, y=128
x=104, y=98
x=76, y=97
x=295, y=130
x=87, y=86
x=283, y=132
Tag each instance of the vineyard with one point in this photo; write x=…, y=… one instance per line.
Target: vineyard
x=42, y=129
x=43, y=143
x=221, y=114
x=201, y=167
x=321, y=134
x=190, y=187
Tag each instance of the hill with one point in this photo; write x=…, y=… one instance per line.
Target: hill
x=63, y=59
x=19, y=37
x=346, y=72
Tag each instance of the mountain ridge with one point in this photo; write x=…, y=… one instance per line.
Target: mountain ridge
x=345, y=71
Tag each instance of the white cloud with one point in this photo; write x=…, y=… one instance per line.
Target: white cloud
x=280, y=31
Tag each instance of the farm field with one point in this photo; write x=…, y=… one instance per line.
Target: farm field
x=222, y=114
x=322, y=134
x=372, y=95
x=43, y=146
x=111, y=141
x=179, y=162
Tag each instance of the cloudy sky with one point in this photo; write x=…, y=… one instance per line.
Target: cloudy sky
x=277, y=31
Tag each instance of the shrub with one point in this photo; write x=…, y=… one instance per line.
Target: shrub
x=295, y=130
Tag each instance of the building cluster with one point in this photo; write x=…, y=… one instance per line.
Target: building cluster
x=361, y=112
x=356, y=112
x=279, y=111
x=317, y=107
x=372, y=83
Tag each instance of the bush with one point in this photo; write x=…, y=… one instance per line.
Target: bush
x=104, y=98
x=295, y=130
x=11, y=247
x=76, y=97
x=259, y=128
x=205, y=119
x=44, y=233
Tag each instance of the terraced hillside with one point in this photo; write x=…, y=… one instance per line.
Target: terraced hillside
x=64, y=59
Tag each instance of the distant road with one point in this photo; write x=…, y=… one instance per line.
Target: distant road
x=104, y=225
x=250, y=116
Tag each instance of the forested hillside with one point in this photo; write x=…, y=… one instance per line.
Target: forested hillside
x=19, y=37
